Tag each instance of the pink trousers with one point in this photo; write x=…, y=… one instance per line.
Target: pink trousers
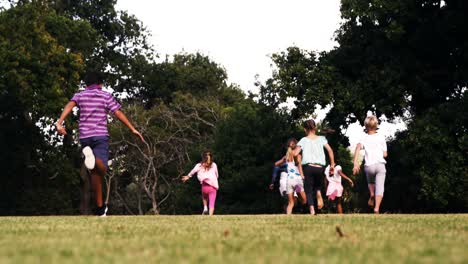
x=209, y=193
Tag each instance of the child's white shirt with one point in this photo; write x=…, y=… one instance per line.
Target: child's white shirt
x=374, y=147
x=336, y=176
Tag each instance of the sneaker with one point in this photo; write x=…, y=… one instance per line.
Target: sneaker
x=205, y=212
x=102, y=211
x=90, y=160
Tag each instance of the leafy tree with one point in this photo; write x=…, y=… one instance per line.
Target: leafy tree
x=38, y=75
x=170, y=132
x=189, y=73
x=427, y=162
x=298, y=75
x=395, y=58
x=410, y=58
x=247, y=143
x=122, y=49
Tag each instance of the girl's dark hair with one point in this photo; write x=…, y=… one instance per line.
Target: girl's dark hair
x=309, y=125
x=207, y=159
x=93, y=77
x=290, y=141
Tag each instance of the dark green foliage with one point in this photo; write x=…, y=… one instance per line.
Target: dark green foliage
x=397, y=58
x=193, y=73
x=247, y=144
x=428, y=169
x=38, y=75
x=122, y=51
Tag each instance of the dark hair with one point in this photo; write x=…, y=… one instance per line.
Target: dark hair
x=309, y=125
x=290, y=141
x=93, y=77
x=207, y=159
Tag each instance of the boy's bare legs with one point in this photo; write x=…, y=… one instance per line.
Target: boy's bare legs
x=378, y=201
x=97, y=174
x=371, y=187
x=339, y=208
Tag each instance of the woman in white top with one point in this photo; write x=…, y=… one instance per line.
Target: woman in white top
x=375, y=149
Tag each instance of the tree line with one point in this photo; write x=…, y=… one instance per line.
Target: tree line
x=401, y=59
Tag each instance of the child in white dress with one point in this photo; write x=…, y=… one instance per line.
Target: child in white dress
x=335, y=188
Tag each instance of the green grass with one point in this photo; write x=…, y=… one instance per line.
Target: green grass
x=235, y=239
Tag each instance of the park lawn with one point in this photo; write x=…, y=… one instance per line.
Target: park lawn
x=235, y=239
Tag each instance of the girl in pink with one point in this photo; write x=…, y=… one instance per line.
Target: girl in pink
x=207, y=174
x=335, y=188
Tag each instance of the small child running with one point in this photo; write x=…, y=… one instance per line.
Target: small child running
x=294, y=178
x=94, y=105
x=375, y=149
x=335, y=188
x=207, y=174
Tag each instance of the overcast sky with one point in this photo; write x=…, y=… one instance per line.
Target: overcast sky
x=241, y=35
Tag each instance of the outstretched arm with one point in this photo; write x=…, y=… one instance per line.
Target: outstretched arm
x=346, y=177
x=123, y=118
x=191, y=173
x=66, y=111
x=280, y=162
x=357, y=167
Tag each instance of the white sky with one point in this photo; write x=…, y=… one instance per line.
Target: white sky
x=241, y=35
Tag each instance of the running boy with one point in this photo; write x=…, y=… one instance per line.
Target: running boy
x=94, y=104
x=375, y=149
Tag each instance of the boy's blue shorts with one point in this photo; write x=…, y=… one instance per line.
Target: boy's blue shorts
x=99, y=145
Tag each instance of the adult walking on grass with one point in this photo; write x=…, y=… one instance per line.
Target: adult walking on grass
x=94, y=105
x=313, y=149
x=375, y=149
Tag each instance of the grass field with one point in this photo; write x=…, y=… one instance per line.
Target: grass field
x=235, y=239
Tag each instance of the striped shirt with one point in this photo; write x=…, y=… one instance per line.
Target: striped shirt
x=94, y=104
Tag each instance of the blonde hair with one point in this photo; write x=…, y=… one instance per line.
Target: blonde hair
x=371, y=123
x=290, y=155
